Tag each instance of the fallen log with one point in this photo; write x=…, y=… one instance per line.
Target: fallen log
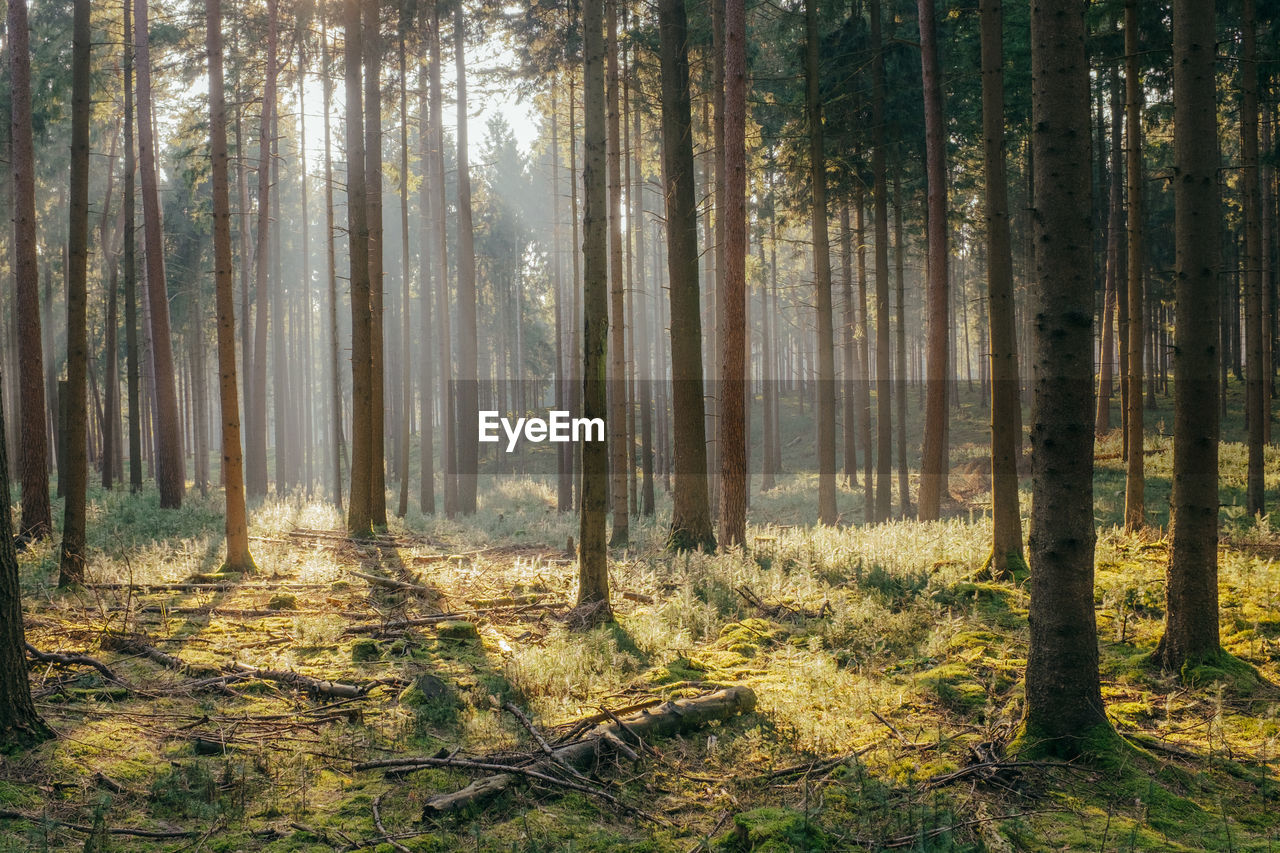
x=419, y=621
x=401, y=586
x=6, y=814
x=132, y=645
x=314, y=686
x=665, y=720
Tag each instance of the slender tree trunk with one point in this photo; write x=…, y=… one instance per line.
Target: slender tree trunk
x=430, y=268
x=468, y=415
x=448, y=400
x=71, y=558
x=827, y=512
x=864, y=362
x=617, y=395
x=335, y=374
x=1006, y=408
x=900, y=378
x=37, y=519
x=852, y=368
x=933, y=464
x=282, y=412
x=648, y=340
x=593, y=569
x=1115, y=265
x=884, y=392
x=170, y=473
x=1064, y=700
x=308, y=396
x=238, y=557
x=130, y=270
x=373, y=198
x=1191, y=620
x=733, y=337
x=691, y=526
x=107, y=236
x=1135, y=479
x=359, y=515
x=564, y=463
x=1256, y=372
x=20, y=724
x=257, y=440
x=406, y=361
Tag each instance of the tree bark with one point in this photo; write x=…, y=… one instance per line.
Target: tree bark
x=933, y=464
x=1006, y=408
x=426, y=284
x=37, y=518
x=170, y=473
x=335, y=374
x=1064, y=700
x=1191, y=619
x=733, y=338
x=359, y=517
x=1135, y=479
x=827, y=512
x=468, y=415
x=406, y=359
x=593, y=568
x=238, y=557
x=71, y=558
x=373, y=198
x=257, y=439
x=129, y=264
x=618, y=437
x=691, y=526
x=1256, y=371
x=884, y=391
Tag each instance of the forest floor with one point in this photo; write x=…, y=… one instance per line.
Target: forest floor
x=887, y=673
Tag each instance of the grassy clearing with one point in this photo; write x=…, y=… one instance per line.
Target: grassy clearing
x=881, y=663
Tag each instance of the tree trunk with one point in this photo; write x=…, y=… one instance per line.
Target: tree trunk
x=852, y=369
x=359, y=518
x=827, y=512
x=1256, y=371
x=1135, y=480
x=1191, y=620
x=170, y=473
x=691, y=526
x=645, y=375
x=1006, y=408
x=884, y=392
x=430, y=269
x=733, y=337
x=238, y=557
x=373, y=198
x=564, y=457
x=37, y=518
x=864, y=362
x=71, y=558
x=406, y=359
x=129, y=263
x=933, y=464
x=468, y=415
x=618, y=438
x=593, y=569
x=335, y=375
x=448, y=400
x=900, y=378
x=1064, y=700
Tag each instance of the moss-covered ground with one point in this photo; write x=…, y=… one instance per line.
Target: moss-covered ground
x=887, y=669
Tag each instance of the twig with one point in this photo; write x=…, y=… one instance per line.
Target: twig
x=5, y=814
x=377, y=821
x=539, y=739
x=65, y=659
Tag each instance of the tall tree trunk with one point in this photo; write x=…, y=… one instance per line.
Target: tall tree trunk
x=257, y=441
x=359, y=517
x=1135, y=478
x=429, y=266
x=308, y=395
x=827, y=512
x=1256, y=376
x=617, y=395
x=170, y=473
x=733, y=336
x=900, y=378
x=468, y=415
x=864, y=361
x=71, y=558
x=130, y=266
x=691, y=526
x=37, y=519
x=593, y=569
x=852, y=368
x=373, y=198
x=406, y=361
x=1191, y=620
x=282, y=411
x=107, y=236
x=335, y=374
x=448, y=399
x=1064, y=699
x=884, y=391
x=238, y=557
x=564, y=463
x=1115, y=264
x=933, y=464
x=647, y=339
x=1006, y=408
x=20, y=724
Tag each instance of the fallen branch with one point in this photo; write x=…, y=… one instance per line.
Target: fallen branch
x=401, y=586
x=546, y=748
x=66, y=659
x=781, y=609
x=377, y=821
x=314, y=686
x=668, y=719
x=133, y=645
x=419, y=621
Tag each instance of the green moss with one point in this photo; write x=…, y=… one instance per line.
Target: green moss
x=772, y=830
x=365, y=650
x=956, y=686
x=1222, y=668
x=283, y=601
x=457, y=629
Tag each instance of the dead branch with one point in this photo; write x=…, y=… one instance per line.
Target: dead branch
x=419, y=621
x=377, y=821
x=401, y=586
x=68, y=659
x=313, y=686
x=5, y=814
